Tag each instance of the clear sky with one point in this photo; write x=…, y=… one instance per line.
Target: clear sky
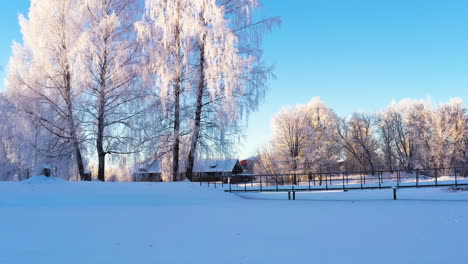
x=357, y=55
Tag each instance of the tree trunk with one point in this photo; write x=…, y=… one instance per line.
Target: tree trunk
x=176, y=145
x=101, y=113
x=79, y=161
x=198, y=114
x=101, y=167
x=100, y=149
x=177, y=90
x=73, y=132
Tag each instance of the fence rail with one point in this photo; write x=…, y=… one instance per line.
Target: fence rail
x=436, y=177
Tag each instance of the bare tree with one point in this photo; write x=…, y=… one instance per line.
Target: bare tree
x=109, y=58
x=357, y=138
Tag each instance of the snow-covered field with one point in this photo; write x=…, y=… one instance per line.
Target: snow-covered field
x=52, y=221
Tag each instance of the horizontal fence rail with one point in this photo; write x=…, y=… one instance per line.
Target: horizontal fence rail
x=297, y=182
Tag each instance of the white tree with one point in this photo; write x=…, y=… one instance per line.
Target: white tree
x=108, y=56
x=290, y=135
x=167, y=32
x=449, y=126
x=398, y=147
x=321, y=152
x=232, y=79
x=357, y=137
x=41, y=73
x=197, y=61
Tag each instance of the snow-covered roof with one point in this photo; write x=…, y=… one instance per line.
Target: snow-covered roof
x=215, y=165
x=154, y=167
x=227, y=165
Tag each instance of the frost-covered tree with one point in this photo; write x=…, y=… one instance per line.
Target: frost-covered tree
x=419, y=122
x=449, y=133
x=40, y=74
x=267, y=161
x=321, y=152
x=397, y=145
x=303, y=138
x=13, y=155
x=208, y=80
x=232, y=79
x=107, y=70
x=24, y=145
x=358, y=140
x=290, y=132
x=167, y=32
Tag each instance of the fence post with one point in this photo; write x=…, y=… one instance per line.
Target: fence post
x=360, y=177
x=309, y=176
x=245, y=186
x=276, y=177
x=229, y=179
x=398, y=179
x=455, y=171
x=343, y=183
x=326, y=182
x=417, y=179
x=436, y=177
x=380, y=180
x=394, y=193
x=260, y=183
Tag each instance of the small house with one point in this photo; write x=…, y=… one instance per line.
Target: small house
x=151, y=173
x=219, y=170
x=248, y=165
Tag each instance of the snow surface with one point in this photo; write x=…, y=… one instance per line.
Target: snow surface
x=45, y=220
x=41, y=179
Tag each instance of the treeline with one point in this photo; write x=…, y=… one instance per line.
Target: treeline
x=407, y=135
x=101, y=81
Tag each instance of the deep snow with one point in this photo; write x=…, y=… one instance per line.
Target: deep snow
x=46, y=220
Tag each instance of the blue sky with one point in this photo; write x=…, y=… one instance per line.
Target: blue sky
x=355, y=55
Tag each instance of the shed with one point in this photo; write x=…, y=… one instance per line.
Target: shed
x=218, y=170
x=151, y=173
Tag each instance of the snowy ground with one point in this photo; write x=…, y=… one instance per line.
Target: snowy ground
x=52, y=221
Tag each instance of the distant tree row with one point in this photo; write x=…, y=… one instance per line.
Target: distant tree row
x=411, y=134
x=109, y=80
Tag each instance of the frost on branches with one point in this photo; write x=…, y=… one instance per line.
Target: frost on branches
x=407, y=135
x=113, y=82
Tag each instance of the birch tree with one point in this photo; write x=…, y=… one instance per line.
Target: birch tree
x=321, y=152
x=356, y=135
x=167, y=32
x=397, y=142
x=108, y=56
x=232, y=78
x=290, y=136
x=41, y=71
x=449, y=124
